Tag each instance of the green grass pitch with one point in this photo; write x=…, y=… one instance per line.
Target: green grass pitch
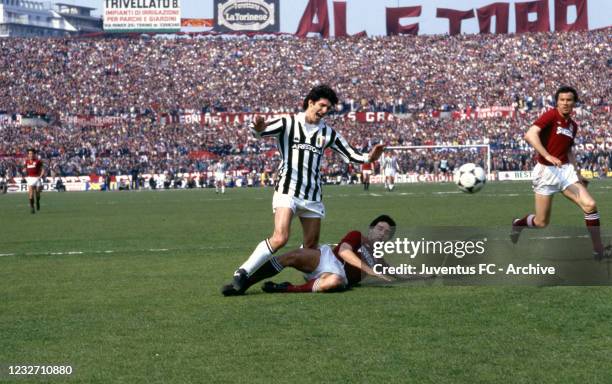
x=124, y=287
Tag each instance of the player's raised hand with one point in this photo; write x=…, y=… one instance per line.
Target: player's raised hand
x=554, y=161
x=376, y=152
x=259, y=124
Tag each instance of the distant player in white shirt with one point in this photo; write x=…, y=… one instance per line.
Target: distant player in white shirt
x=220, y=169
x=390, y=169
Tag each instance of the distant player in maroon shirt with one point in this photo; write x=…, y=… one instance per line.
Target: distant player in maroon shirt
x=366, y=171
x=327, y=269
x=34, y=171
x=552, y=136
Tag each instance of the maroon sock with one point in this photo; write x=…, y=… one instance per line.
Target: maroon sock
x=526, y=221
x=592, y=223
x=307, y=287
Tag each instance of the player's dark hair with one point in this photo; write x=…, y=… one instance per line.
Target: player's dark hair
x=384, y=219
x=321, y=92
x=32, y=150
x=566, y=89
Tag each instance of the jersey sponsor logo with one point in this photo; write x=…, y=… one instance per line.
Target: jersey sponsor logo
x=565, y=132
x=306, y=147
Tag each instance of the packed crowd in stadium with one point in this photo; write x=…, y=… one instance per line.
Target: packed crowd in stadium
x=414, y=78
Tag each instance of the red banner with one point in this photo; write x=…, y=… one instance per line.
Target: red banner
x=478, y=113
x=198, y=23
x=242, y=118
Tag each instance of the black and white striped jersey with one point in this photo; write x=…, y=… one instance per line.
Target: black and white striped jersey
x=301, y=146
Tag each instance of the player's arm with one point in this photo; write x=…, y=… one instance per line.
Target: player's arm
x=262, y=128
x=350, y=154
x=533, y=138
x=346, y=253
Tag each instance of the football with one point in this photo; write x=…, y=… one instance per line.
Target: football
x=470, y=178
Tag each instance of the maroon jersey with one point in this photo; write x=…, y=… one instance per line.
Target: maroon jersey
x=33, y=168
x=557, y=135
x=355, y=240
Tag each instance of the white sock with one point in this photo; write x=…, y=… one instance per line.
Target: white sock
x=391, y=186
x=223, y=189
x=260, y=255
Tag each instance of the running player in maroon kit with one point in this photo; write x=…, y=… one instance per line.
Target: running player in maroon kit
x=327, y=270
x=34, y=171
x=366, y=171
x=552, y=136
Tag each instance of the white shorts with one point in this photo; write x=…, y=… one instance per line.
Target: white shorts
x=390, y=173
x=328, y=263
x=219, y=176
x=34, y=181
x=367, y=172
x=548, y=179
x=300, y=207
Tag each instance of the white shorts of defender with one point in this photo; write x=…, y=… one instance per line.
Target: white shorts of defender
x=34, y=182
x=219, y=176
x=300, y=207
x=328, y=263
x=389, y=173
x=548, y=179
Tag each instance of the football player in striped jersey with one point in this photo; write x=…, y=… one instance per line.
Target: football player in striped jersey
x=301, y=141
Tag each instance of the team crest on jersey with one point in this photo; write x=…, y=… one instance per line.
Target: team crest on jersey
x=320, y=141
x=565, y=132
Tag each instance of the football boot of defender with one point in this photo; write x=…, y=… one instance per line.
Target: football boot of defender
x=272, y=287
x=606, y=254
x=515, y=233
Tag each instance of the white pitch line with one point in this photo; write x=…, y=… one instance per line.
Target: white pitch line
x=109, y=251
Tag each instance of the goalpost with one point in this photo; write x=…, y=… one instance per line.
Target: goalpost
x=487, y=147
